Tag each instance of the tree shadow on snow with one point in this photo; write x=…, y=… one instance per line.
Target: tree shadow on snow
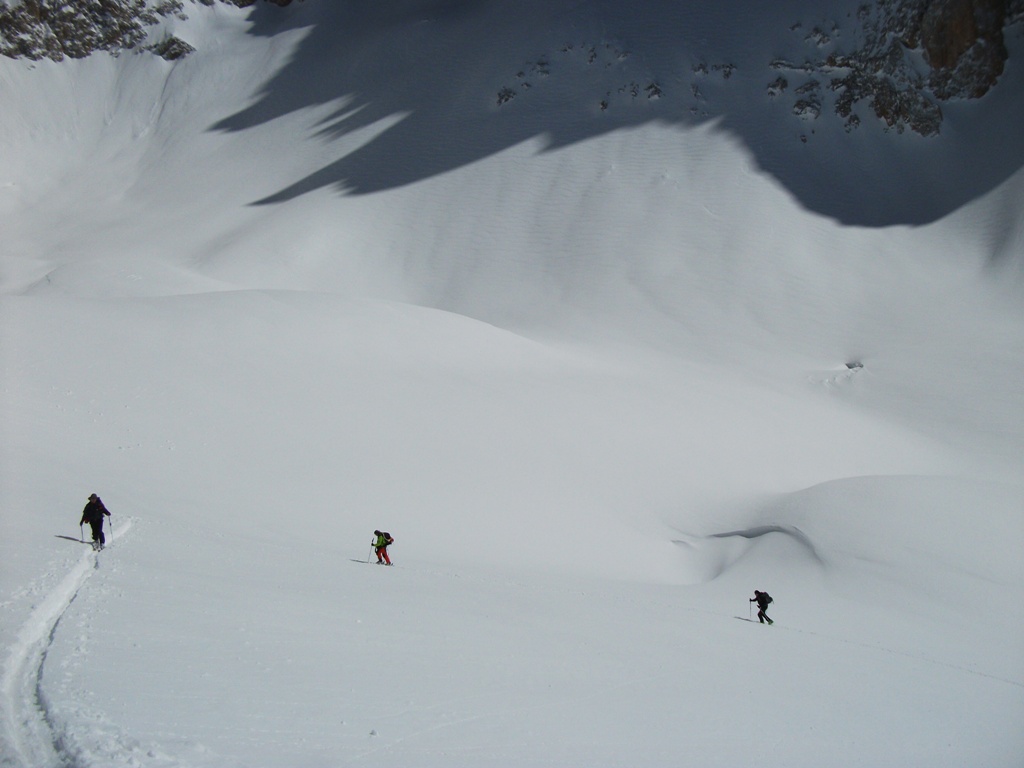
x=445, y=83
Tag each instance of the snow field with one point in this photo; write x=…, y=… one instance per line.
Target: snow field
x=600, y=384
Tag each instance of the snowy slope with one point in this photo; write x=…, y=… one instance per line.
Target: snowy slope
x=600, y=372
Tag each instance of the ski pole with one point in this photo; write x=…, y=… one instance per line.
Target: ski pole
x=81, y=533
x=750, y=611
x=369, y=553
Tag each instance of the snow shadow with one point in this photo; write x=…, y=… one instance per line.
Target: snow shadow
x=72, y=538
x=792, y=532
x=445, y=83
x=705, y=558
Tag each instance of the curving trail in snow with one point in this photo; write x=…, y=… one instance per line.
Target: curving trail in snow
x=27, y=728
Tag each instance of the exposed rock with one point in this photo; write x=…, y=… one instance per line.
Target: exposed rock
x=948, y=29
x=961, y=41
x=53, y=29
x=58, y=29
x=808, y=109
x=171, y=48
x=506, y=95
x=777, y=87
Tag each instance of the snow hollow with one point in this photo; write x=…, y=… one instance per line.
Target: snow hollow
x=604, y=359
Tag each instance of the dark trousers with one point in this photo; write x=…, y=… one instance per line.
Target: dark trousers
x=97, y=532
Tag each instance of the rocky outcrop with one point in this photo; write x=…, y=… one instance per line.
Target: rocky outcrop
x=37, y=29
x=961, y=42
x=171, y=48
x=57, y=29
x=949, y=28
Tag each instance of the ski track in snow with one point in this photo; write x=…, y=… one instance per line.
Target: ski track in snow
x=27, y=724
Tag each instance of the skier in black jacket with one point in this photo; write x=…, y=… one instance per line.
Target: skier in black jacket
x=93, y=515
x=762, y=599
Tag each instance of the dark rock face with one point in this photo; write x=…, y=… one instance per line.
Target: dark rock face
x=948, y=29
x=963, y=42
x=960, y=40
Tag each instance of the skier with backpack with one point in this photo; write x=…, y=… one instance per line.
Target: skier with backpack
x=763, y=599
x=93, y=514
x=380, y=546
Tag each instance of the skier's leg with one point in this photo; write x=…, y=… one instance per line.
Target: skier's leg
x=387, y=559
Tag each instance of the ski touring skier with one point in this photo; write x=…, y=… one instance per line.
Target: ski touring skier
x=763, y=599
x=380, y=546
x=93, y=514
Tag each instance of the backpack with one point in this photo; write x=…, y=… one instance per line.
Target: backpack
x=767, y=598
x=387, y=538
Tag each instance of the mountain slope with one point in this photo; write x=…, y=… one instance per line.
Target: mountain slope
x=600, y=372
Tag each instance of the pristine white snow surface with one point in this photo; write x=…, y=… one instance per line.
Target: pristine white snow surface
x=601, y=372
